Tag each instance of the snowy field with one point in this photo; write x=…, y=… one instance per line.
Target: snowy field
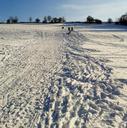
x=49, y=79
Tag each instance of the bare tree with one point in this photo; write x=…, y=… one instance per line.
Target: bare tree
x=61, y=19
x=49, y=18
x=12, y=20
x=15, y=19
x=56, y=20
x=30, y=19
x=45, y=20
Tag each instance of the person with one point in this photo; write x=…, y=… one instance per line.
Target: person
x=72, y=28
x=69, y=30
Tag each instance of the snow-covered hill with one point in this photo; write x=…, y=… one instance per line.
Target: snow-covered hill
x=49, y=79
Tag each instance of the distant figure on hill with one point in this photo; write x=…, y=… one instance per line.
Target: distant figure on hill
x=70, y=29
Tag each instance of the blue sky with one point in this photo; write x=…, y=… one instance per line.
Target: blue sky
x=70, y=9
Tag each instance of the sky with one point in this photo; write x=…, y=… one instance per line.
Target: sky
x=72, y=10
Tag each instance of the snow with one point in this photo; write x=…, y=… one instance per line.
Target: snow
x=111, y=48
x=51, y=79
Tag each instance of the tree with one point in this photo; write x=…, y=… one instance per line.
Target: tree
x=37, y=20
x=123, y=19
x=49, y=18
x=55, y=20
x=45, y=20
x=12, y=20
x=97, y=21
x=64, y=20
x=15, y=19
x=8, y=21
x=110, y=20
x=90, y=19
x=61, y=20
x=30, y=19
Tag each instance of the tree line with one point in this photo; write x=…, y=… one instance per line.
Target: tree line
x=12, y=20
x=46, y=19
x=122, y=20
x=92, y=20
x=50, y=19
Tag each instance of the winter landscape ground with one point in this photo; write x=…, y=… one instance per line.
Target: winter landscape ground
x=49, y=79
